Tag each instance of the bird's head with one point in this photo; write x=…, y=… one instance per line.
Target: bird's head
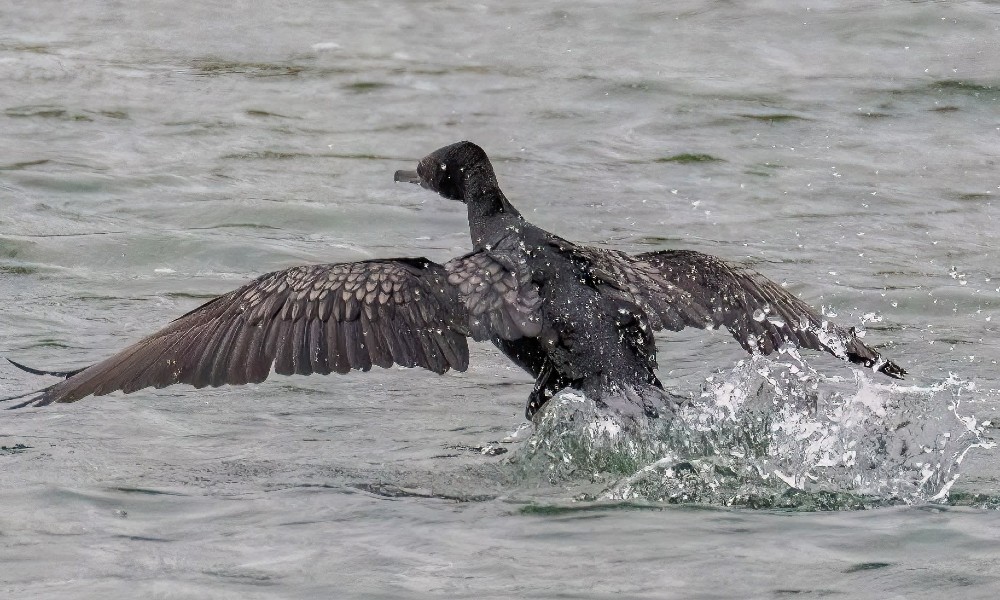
x=446, y=170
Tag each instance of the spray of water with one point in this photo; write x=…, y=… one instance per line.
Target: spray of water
x=766, y=434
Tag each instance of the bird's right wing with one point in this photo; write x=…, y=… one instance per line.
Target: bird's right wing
x=310, y=319
x=683, y=288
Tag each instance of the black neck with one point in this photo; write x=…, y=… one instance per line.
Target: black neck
x=486, y=203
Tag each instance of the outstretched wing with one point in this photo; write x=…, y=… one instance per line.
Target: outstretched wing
x=500, y=297
x=681, y=288
x=310, y=319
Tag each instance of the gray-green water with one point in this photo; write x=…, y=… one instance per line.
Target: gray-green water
x=157, y=154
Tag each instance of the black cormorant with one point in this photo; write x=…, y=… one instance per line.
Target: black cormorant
x=570, y=315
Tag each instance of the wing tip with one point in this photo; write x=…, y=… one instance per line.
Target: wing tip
x=34, y=371
x=892, y=370
x=37, y=398
x=879, y=364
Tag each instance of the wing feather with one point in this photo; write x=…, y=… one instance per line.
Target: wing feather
x=683, y=288
x=501, y=299
x=311, y=319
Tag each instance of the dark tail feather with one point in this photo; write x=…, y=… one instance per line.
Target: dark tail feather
x=33, y=371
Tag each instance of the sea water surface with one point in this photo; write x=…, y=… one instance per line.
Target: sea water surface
x=157, y=154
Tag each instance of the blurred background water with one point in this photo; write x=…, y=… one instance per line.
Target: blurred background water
x=160, y=153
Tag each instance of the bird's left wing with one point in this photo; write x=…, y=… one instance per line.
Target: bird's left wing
x=498, y=293
x=310, y=319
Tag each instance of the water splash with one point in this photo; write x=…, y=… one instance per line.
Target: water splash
x=766, y=434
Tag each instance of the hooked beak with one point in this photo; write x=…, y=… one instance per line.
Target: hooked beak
x=407, y=177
